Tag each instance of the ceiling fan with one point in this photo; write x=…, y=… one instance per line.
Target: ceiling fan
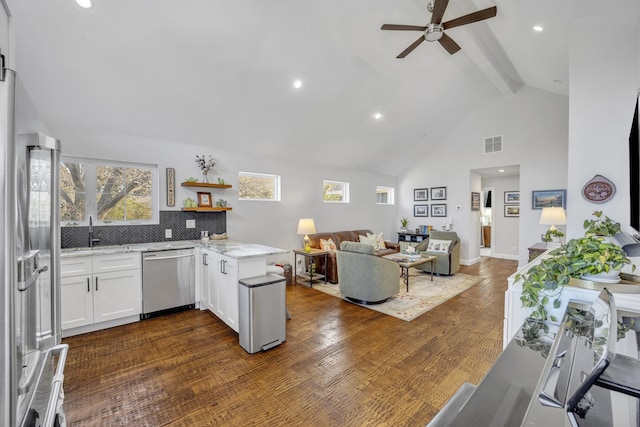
x=434, y=31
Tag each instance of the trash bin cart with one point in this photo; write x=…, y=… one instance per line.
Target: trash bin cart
x=262, y=318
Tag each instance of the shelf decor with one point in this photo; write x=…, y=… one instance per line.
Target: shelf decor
x=204, y=200
x=205, y=165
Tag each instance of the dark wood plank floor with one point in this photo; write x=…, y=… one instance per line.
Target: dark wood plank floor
x=341, y=364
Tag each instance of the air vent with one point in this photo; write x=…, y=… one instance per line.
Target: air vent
x=493, y=144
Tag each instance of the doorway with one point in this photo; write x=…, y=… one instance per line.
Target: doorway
x=498, y=233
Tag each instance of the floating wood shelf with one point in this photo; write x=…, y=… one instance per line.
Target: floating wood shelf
x=205, y=185
x=206, y=209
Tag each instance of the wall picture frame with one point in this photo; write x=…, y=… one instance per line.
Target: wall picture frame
x=204, y=200
x=421, y=194
x=475, y=201
x=438, y=193
x=439, y=210
x=420, y=210
x=548, y=199
x=511, y=210
x=171, y=187
x=512, y=197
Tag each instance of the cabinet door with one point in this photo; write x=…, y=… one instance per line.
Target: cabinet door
x=217, y=288
x=207, y=265
x=76, y=301
x=230, y=284
x=117, y=294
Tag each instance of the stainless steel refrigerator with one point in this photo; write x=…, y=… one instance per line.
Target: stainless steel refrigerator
x=32, y=358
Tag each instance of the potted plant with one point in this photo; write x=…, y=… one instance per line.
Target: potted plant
x=551, y=235
x=404, y=222
x=601, y=226
x=579, y=258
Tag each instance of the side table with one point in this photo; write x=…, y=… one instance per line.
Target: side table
x=311, y=274
x=536, y=250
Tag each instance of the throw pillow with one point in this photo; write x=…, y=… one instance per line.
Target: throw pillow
x=379, y=241
x=368, y=240
x=439, y=245
x=328, y=245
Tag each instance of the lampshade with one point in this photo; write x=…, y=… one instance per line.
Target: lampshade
x=553, y=216
x=306, y=226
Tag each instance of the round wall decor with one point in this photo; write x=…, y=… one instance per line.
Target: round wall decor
x=598, y=189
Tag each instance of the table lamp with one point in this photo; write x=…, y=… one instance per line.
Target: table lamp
x=306, y=226
x=553, y=217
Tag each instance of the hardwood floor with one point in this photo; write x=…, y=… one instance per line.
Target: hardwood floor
x=341, y=364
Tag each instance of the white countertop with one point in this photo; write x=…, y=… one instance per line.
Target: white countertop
x=227, y=247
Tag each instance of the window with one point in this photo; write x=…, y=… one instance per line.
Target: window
x=258, y=186
x=384, y=196
x=111, y=192
x=335, y=192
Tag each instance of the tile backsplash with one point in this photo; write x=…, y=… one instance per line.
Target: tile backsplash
x=214, y=222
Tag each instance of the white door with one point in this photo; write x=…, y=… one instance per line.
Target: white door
x=76, y=301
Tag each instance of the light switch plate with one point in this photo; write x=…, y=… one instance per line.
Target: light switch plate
x=168, y=233
x=191, y=223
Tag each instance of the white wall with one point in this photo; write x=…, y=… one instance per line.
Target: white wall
x=604, y=84
x=534, y=128
x=269, y=223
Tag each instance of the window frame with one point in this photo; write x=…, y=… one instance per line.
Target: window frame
x=345, y=192
x=91, y=179
x=277, y=193
x=390, y=191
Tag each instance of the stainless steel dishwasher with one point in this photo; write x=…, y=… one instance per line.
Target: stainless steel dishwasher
x=168, y=281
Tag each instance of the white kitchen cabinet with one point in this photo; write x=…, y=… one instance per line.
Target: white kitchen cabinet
x=100, y=291
x=219, y=279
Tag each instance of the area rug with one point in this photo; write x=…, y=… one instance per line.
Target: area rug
x=423, y=294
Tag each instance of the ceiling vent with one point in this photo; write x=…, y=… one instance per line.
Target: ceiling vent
x=493, y=144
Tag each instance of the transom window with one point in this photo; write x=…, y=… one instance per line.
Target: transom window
x=111, y=192
x=258, y=186
x=385, y=195
x=335, y=191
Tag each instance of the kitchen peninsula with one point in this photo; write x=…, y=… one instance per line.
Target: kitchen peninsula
x=102, y=286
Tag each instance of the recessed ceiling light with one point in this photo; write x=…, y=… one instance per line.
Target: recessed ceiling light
x=501, y=170
x=538, y=28
x=377, y=116
x=297, y=84
x=85, y=4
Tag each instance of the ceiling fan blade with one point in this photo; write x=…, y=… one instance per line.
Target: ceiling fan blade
x=397, y=27
x=472, y=17
x=408, y=50
x=439, y=6
x=448, y=43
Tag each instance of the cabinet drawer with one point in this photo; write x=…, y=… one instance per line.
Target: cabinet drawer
x=116, y=262
x=75, y=266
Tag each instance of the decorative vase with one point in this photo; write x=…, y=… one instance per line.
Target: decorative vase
x=205, y=177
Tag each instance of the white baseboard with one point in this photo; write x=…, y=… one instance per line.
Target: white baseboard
x=506, y=256
x=470, y=261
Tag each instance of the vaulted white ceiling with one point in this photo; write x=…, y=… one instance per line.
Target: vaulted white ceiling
x=220, y=73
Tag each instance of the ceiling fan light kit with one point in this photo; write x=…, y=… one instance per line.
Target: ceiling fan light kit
x=434, y=31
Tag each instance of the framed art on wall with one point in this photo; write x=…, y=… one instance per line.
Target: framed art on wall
x=438, y=193
x=548, y=199
x=511, y=197
x=171, y=187
x=204, y=200
x=421, y=194
x=475, y=201
x=420, y=210
x=438, y=210
x=511, y=210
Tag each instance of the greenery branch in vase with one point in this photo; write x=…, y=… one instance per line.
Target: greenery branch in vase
x=205, y=165
x=585, y=257
x=404, y=222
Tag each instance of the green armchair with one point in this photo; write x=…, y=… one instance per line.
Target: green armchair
x=448, y=259
x=364, y=277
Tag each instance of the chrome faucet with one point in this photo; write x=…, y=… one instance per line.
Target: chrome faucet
x=92, y=241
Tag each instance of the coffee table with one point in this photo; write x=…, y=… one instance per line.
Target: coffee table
x=406, y=263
